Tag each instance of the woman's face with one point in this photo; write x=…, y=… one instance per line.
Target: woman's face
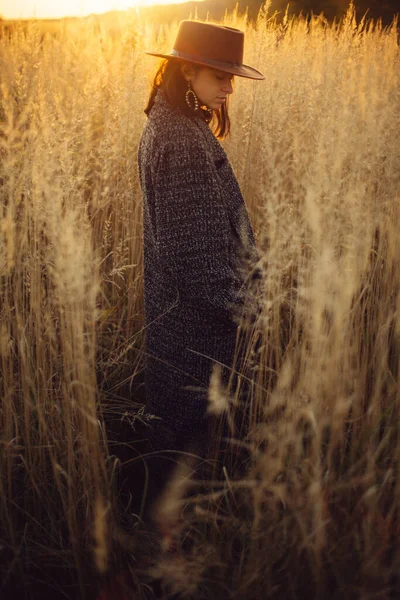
x=211, y=86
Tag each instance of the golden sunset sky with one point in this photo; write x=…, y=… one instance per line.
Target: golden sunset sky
x=53, y=9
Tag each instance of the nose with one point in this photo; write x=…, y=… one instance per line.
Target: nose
x=227, y=86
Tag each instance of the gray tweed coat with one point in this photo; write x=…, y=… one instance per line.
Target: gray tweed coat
x=196, y=230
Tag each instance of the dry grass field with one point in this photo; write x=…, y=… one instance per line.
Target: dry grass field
x=316, y=149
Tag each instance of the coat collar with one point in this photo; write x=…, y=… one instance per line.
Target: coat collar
x=162, y=104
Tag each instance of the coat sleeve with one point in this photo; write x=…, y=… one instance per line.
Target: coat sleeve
x=193, y=229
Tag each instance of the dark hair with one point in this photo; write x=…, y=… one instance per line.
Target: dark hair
x=169, y=77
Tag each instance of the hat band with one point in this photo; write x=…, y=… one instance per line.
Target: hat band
x=209, y=61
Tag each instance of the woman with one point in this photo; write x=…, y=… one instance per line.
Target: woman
x=197, y=233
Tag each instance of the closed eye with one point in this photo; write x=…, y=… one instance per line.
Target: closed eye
x=222, y=77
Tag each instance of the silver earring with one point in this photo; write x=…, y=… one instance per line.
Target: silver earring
x=191, y=99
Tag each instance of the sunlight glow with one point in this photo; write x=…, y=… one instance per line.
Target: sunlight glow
x=50, y=9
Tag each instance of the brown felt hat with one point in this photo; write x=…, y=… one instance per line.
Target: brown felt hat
x=211, y=45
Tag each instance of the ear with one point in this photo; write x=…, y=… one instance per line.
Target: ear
x=187, y=71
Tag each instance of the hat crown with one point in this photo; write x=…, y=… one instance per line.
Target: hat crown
x=209, y=41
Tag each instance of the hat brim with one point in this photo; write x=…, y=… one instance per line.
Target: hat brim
x=240, y=70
